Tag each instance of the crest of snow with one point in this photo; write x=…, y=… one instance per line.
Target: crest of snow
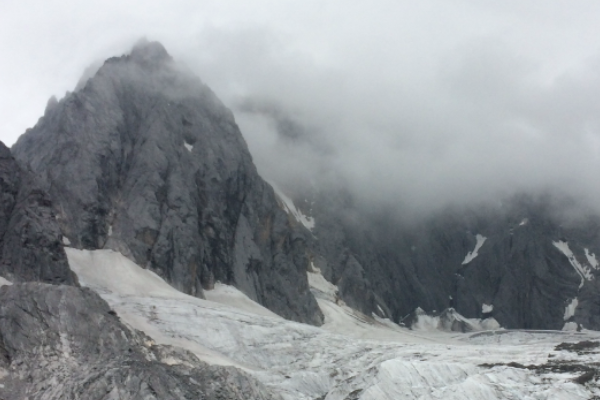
x=487, y=308
x=231, y=296
x=591, y=257
x=288, y=206
x=66, y=241
x=583, y=271
x=188, y=146
x=570, y=326
x=4, y=281
x=352, y=356
x=570, y=308
x=471, y=255
x=108, y=268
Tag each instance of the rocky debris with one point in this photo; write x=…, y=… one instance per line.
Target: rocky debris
x=586, y=372
x=64, y=342
x=30, y=238
x=144, y=159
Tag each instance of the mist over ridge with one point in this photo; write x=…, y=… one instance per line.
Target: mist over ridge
x=421, y=104
x=482, y=125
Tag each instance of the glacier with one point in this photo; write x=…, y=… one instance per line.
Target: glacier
x=352, y=356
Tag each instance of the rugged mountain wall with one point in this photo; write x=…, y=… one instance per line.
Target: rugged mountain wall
x=144, y=159
x=30, y=238
x=530, y=264
x=63, y=342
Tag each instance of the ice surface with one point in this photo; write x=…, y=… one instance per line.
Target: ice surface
x=289, y=207
x=471, y=255
x=583, y=271
x=351, y=357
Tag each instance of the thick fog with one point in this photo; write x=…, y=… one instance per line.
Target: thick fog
x=416, y=103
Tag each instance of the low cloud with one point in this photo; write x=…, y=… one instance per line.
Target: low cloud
x=484, y=121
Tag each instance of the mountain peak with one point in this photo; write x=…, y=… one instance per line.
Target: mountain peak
x=149, y=53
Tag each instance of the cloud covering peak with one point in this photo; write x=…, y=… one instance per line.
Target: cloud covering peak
x=421, y=103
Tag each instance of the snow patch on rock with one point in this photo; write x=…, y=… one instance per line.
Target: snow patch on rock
x=487, y=308
x=591, y=257
x=471, y=255
x=288, y=206
x=570, y=309
x=321, y=287
x=188, y=146
x=66, y=241
x=583, y=271
x=4, y=282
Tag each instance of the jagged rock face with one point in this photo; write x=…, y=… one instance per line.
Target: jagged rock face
x=64, y=342
x=385, y=266
x=30, y=238
x=144, y=159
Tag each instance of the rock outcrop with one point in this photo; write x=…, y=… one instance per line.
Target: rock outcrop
x=30, y=238
x=64, y=342
x=144, y=159
x=521, y=263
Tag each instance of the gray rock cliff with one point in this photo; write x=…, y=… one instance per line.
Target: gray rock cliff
x=30, y=238
x=144, y=159
x=388, y=266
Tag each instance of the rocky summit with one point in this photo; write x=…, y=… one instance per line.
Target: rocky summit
x=144, y=159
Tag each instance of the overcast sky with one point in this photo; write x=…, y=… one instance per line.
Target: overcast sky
x=436, y=100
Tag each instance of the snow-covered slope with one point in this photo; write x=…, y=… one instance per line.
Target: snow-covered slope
x=304, y=362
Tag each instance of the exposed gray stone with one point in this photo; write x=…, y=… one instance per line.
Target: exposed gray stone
x=380, y=261
x=30, y=238
x=144, y=159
